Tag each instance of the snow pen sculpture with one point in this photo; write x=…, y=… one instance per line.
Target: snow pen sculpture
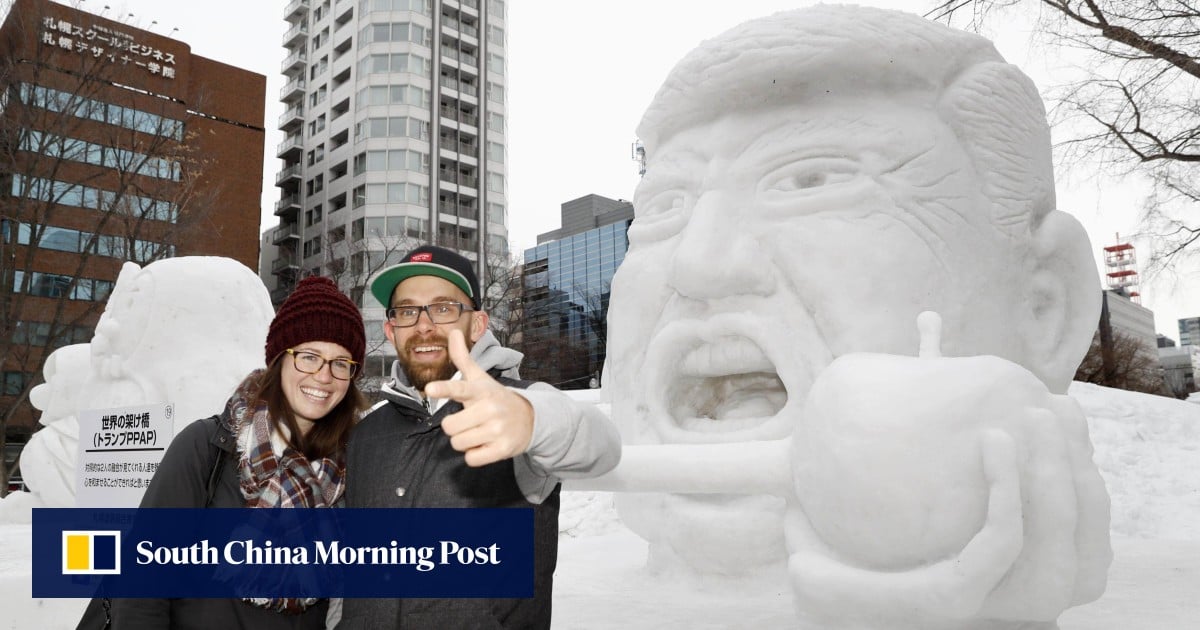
x=182, y=330
x=818, y=182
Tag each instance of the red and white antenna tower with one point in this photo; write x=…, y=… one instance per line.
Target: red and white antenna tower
x=1120, y=264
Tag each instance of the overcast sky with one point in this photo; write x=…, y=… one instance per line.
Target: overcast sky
x=581, y=73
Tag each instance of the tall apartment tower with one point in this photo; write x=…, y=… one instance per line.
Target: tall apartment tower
x=395, y=135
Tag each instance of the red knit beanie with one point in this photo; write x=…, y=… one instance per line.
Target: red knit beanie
x=317, y=311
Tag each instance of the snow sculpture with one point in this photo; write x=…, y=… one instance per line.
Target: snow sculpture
x=814, y=180
x=48, y=460
x=182, y=330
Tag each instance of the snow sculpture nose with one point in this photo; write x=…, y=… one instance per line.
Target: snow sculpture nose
x=717, y=255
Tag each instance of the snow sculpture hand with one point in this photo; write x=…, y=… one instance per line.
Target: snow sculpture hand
x=931, y=491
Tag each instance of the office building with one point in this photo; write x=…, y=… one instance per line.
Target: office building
x=395, y=136
x=567, y=281
x=1189, y=331
x=121, y=145
x=1131, y=319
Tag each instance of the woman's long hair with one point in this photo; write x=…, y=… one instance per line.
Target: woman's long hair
x=328, y=435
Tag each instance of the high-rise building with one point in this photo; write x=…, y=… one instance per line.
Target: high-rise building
x=116, y=144
x=1189, y=331
x=566, y=285
x=395, y=135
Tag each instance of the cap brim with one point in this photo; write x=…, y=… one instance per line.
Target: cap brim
x=384, y=283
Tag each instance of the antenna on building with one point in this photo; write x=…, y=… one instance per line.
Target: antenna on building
x=639, y=156
x=1120, y=264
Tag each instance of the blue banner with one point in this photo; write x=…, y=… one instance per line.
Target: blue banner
x=283, y=552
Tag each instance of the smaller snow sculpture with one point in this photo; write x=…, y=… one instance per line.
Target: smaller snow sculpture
x=181, y=330
x=48, y=460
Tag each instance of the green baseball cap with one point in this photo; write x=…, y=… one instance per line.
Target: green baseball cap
x=428, y=260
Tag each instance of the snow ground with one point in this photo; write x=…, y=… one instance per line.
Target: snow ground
x=1147, y=449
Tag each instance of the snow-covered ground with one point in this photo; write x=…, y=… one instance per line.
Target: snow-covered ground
x=1147, y=448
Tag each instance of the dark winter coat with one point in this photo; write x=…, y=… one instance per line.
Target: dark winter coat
x=408, y=462
x=182, y=481
x=399, y=457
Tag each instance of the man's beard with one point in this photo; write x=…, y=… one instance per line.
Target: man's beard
x=423, y=374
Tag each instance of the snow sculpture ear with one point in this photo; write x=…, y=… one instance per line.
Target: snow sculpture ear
x=996, y=111
x=1063, y=299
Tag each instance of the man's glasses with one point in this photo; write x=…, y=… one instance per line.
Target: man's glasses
x=311, y=363
x=439, y=313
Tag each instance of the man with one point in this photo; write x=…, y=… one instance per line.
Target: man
x=456, y=429
x=814, y=180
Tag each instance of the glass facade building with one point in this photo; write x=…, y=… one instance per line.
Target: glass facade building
x=567, y=283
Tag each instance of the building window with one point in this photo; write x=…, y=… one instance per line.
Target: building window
x=495, y=213
x=495, y=152
x=424, y=7
x=395, y=32
x=395, y=63
x=99, y=155
x=495, y=182
x=56, y=286
x=74, y=105
x=72, y=194
x=312, y=217
x=495, y=63
x=495, y=35
x=495, y=92
x=393, y=127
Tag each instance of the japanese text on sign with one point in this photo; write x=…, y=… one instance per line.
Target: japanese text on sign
x=99, y=41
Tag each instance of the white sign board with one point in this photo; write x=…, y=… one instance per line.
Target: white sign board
x=119, y=451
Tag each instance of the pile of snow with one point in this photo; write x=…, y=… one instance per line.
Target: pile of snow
x=1148, y=451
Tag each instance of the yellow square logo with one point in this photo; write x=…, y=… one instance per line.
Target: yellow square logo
x=91, y=552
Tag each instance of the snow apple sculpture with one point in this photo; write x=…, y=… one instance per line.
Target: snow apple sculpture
x=815, y=179
x=182, y=330
x=941, y=510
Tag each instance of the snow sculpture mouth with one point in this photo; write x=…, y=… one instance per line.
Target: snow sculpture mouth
x=712, y=381
x=725, y=386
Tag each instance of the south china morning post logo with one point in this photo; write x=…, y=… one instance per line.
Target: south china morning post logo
x=91, y=552
x=243, y=552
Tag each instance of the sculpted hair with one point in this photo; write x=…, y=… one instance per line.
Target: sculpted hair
x=831, y=52
x=329, y=435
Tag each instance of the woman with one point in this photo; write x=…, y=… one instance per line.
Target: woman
x=280, y=442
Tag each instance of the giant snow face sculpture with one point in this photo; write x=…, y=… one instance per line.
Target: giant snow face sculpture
x=815, y=180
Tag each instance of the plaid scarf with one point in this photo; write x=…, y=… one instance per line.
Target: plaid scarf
x=273, y=474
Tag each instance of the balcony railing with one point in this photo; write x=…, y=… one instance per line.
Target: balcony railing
x=294, y=33
x=289, y=200
x=292, y=86
x=295, y=6
x=294, y=113
x=290, y=172
x=291, y=143
x=286, y=231
x=297, y=58
x=282, y=263
x=450, y=113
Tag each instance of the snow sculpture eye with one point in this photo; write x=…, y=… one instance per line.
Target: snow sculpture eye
x=809, y=176
x=662, y=216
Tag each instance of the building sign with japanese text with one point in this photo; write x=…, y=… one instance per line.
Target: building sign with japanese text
x=98, y=41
